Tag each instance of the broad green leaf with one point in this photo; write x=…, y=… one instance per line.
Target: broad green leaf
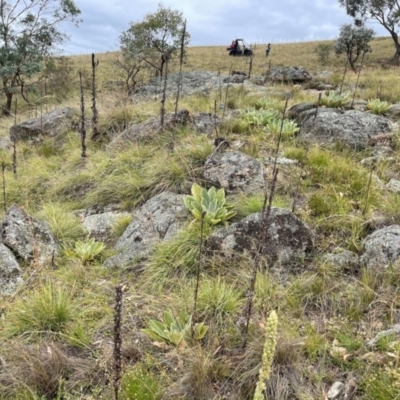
x=157, y=327
x=152, y=335
x=168, y=318
x=196, y=191
x=175, y=337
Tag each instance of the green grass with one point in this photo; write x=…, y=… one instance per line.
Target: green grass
x=140, y=384
x=48, y=309
x=319, y=306
x=219, y=299
x=66, y=227
x=178, y=257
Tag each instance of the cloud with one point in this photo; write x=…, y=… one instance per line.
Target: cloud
x=210, y=22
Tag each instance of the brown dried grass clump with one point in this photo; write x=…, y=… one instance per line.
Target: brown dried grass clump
x=46, y=370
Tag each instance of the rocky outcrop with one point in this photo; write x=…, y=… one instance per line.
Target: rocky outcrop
x=288, y=239
x=394, y=112
x=157, y=220
x=99, y=226
x=288, y=75
x=6, y=144
x=346, y=260
x=28, y=238
x=149, y=129
x=359, y=105
x=195, y=82
x=393, y=185
x=10, y=271
x=353, y=127
x=54, y=123
x=235, y=79
x=235, y=172
x=295, y=111
x=382, y=247
x=192, y=82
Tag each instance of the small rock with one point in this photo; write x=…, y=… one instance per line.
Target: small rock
x=280, y=161
x=382, y=247
x=235, y=172
x=29, y=238
x=393, y=185
x=335, y=390
x=51, y=124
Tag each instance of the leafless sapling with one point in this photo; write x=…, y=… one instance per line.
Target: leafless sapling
x=199, y=261
x=263, y=227
x=95, y=113
x=83, y=129
x=164, y=92
x=181, y=56
x=3, y=167
x=227, y=91
x=358, y=78
x=344, y=75
x=117, y=338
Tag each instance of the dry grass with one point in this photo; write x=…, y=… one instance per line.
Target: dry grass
x=326, y=313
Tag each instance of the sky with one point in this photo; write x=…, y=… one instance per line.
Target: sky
x=210, y=22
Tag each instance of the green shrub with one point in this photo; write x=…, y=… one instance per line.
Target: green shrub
x=175, y=331
x=89, y=250
x=323, y=51
x=287, y=129
x=258, y=118
x=140, y=384
x=335, y=99
x=376, y=106
x=218, y=298
x=267, y=103
x=211, y=203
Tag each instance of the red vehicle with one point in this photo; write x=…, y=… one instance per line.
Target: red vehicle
x=239, y=48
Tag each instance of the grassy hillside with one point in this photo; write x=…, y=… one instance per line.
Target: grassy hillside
x=57, y=332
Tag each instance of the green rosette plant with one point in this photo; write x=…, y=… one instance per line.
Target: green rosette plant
x=211, y=204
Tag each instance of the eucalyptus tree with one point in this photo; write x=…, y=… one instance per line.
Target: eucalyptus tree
x=385, y=12
x=29, y=31
x=353, y=41
x=156, y=38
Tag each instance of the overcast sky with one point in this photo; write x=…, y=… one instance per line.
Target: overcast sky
x=211, y=22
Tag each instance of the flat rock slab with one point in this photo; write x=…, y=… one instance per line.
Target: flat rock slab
x=345, y=259
x=288, y=239
x=99, y=226
x=235, y=172
x=191, y=82
x=288, y=75
x=157, y=220
x=53, y=123
x=28, y=238
x=382, y=247
x=10, y=271
x=352, y=127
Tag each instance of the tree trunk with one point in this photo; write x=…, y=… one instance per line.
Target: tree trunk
x=162, y=65
x=395, y=37
x=396, y=57
x=7, y=107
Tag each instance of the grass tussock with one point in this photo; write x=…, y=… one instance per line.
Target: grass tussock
x=49, y=308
